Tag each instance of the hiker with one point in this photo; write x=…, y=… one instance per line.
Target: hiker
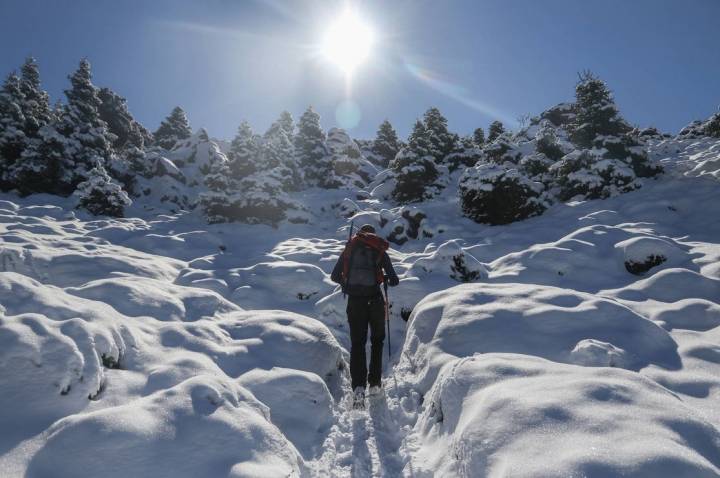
x=359, y=270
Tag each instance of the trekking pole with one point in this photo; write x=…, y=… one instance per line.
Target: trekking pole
x=347, y=244
x=387, y=314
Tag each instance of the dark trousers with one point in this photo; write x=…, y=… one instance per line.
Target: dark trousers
x=361, y=312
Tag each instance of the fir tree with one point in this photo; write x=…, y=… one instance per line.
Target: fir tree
x=36, y=104
x=495, y=130
x=441, y=142
x=466, y=153
x=121, y=123
x=287, y=124
x=244, y=152
x=12, y=123
x=75, y=142
x=386, y=144
x=278, y=155
x=310, y=148
x=346, y=161
x=479, y=137
x=597, y=124
x=174, y=128
x=596, y=113
x=415, y=169
x=100, y=195
x=712, y=126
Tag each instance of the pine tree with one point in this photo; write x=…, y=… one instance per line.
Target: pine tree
x=466, y=154
x=12, y=124
x=101, y=195
x=596, y=113
x=495, y=130
x=74, y=143
x=121, y=123
x=479, y=137
x=36, y=104
x=310, y=148
x=278, y=155
x=415, y=169
x=174, y=128
x=244, y=152
x=386, y=144
x=346, y=160
x=598, y=125
x=441, y=142
x=287, y=124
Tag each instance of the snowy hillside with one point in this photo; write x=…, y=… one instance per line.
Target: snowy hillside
x=581, y=342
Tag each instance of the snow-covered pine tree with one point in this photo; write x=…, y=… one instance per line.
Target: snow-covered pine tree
x=479, y=137
x=466, y=153
x=495, y=130
x=68, y=148
x=174, y=128
x=712, y=126
x=386, y=144
x=101, y=195
x=346, y=160
x=36, y=102
x=121, y=123
x=278, y=156
x=255, y=199
x=244, y=152
x=414, y=168
x=441, y=142
x=595, y=112
x=287, y=123
x=614, y=158
x=12, y=124
x=310, y=149
x=493, y=194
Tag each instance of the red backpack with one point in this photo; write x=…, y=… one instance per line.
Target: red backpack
x=356, y=262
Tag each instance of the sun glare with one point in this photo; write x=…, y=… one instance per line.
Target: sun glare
x=348, y=42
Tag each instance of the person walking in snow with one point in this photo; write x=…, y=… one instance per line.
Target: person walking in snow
x=363, y=265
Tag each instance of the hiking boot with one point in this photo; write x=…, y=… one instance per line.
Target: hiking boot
x=359, y=398
x=375, y=390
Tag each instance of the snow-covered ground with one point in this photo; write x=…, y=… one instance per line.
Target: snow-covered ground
x=587, y=342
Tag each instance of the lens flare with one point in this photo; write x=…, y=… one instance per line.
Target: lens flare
x=348, y=114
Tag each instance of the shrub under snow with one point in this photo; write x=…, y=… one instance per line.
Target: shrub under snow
x=494, y=195
x=99, y=194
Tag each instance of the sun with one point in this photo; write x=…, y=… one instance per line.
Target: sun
x=348, y=42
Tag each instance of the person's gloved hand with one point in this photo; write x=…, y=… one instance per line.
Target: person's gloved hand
x=392, y=281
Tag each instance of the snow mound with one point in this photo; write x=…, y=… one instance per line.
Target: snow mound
x=136, y=296
x=512, y=415
x=593, y=257
x=452, y=260
x=300, y=403
x=281, y=283
x=542, y=321
x=158, y=436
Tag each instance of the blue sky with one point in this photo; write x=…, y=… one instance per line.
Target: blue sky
x=228, y=60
